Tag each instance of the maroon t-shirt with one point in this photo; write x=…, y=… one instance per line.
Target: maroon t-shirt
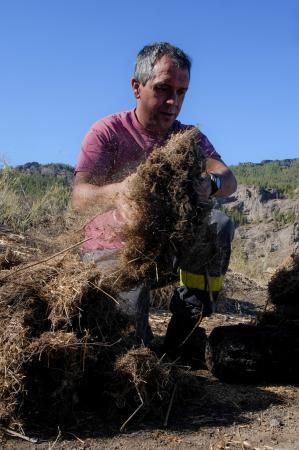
x=113, y=148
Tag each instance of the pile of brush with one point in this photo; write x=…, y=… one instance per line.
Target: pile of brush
x=49, y=334
x=65, y=343
x=283, y=288
x=269, y=350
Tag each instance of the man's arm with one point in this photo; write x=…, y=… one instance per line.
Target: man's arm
x=90, y=192
x=227, y=180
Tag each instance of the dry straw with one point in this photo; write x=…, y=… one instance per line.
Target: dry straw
x=63, y=338
x=283, y=287
x=56, y=323
x=168, y=216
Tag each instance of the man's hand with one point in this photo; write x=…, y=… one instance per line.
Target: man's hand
x=90, y=193
x=203, y=188
x=122, y=199
x=228, y=180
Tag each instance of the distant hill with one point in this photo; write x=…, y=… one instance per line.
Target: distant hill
x=265, y=207
x=63, y=171
x=282, y=175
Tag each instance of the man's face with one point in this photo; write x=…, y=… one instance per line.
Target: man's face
x=160, y=100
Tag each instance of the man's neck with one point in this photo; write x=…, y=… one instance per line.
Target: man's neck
x=150, y=129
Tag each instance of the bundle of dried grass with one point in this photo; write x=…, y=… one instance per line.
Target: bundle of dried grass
x=167, y=214
x=146, y=382
x=22, y=316
x=63, y=347
x=57, y=321
x=12, y=343
x=283, y=288
x=61, y=330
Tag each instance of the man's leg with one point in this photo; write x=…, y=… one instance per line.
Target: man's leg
x=134, y=302
x=200, y=283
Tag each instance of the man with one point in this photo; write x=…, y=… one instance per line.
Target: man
x=112, y=150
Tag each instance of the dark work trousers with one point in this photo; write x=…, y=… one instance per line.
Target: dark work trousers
x=217, y=251
x=136, y=302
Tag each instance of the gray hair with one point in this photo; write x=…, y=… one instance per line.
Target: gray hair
x=150, y=54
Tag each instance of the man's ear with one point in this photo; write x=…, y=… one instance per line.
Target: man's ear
x=136, y=87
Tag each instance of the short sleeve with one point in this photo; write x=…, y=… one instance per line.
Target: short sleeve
x=207, y=147
x=97, y=152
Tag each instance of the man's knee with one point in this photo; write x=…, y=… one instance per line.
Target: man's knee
x=225, y=228
x=189, y=303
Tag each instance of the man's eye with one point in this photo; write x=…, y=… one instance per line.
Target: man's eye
x=162, y=88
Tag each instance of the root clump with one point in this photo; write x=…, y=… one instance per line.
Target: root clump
x=168, y=214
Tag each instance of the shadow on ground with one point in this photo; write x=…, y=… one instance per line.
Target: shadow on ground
x=204, y=401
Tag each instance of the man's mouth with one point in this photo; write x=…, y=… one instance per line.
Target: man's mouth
x=168, y=114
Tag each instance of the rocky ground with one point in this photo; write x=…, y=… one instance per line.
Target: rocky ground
x=215, y=415
x=269, y=232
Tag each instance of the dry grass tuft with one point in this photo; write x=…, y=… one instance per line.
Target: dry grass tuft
x=145, y=381
x=63, y=343
x=168, y=215
x=283, y=287
x=55, y=318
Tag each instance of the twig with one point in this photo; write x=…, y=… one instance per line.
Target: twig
x=104, y=292
x=74, y=345
x=162, y=357
x=45, y=259
x=87, y=222
x=57, y=439
x=72, y=434
x=170, y=406
x=112, y=274
x=19, y=435
x=191, y=332
x=101, y=344
x=135, y=412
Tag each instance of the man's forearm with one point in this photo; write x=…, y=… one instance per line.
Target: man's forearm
x=228, y=180
x=228, y=184
x=87, y=196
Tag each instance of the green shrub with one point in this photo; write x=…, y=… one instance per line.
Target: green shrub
x=280, y=175
x=237, y=216
x=282, y=218
x=30, y=201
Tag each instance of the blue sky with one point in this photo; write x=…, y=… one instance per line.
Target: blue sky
x=66, y=63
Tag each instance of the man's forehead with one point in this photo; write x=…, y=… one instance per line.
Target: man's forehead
x=166, y=69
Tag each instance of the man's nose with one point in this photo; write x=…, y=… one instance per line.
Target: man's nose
x=172, y=99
